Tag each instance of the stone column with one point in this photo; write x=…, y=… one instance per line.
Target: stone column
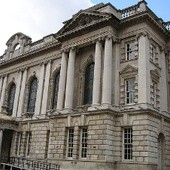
x=22, y=92
x=40, y=90
x=3, y=92
x=1, y=136
x=163, y=84
x=1, y=83
x=143, y=70
x=46, y=88
x=70, y=80
x=62, y=82
x=107, y=73
x=97, y=74
x=17, y=93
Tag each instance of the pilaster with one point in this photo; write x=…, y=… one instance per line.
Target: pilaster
x=143, y=70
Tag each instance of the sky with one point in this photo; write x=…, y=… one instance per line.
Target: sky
x=38, y=18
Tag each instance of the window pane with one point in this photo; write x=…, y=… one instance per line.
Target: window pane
x=56, y=87
x=70, y=142
x=130, y=89
x=128, y=145
x=32, y=96
x=11, y=98
x=84, y=136
x=88, y=88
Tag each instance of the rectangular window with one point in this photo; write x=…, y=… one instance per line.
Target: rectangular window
x=128, y=143
x=28, y=142
x=130, y=51
x=130, y=89
x=18, y=143
x=84, y=138
x=154, y=85
x=70, y=140
x=153, y=52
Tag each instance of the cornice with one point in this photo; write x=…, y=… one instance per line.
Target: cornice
x=26, y=66
x=144, y=16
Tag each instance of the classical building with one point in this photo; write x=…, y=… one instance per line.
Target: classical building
x=93, y=96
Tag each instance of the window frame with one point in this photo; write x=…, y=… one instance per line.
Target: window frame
x=70, y=143
x=131, y=91
x=81, y=143
x=123, y=144
x=28, y=143
x=11, y=99
x=55, y=84
x=88, y=90
x=31, y=107
x=131, y=51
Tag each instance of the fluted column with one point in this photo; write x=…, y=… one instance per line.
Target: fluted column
x=62, y=82
x=70, y=80
x=46, y=88
x=97, y=74
x=107, y=72
x=17, y=93
x=21, y=98
x=40, y=90
x=143, y=70
x=3, y=93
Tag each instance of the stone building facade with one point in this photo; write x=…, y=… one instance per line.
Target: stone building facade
x=93, y=96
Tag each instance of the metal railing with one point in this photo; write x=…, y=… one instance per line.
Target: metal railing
x=28, y=164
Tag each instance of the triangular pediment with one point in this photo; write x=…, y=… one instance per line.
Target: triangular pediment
x=128, y=69
x=81, y=20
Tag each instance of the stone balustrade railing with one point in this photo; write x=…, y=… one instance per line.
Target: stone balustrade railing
x=127, y=12
x=167, y=25
x=8, y=55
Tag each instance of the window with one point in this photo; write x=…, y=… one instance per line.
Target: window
x=130, y=89
x=11, y=97
x=55, y=91
x=28, y=142
x=130, y=51
x=154, y=86
x=18, y=143
x=84, y=137
x=32, y=96
x=70, y=139
x=127, y=143
x=88, y=88
x=153, y=52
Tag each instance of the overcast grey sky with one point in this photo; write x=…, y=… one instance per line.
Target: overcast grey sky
x=38, y=18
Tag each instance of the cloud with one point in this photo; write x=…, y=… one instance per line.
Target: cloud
x=35, y=18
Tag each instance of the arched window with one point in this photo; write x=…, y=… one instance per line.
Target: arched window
x=11, y=97
x=88, y=86
x=55, y=91
x=161, y=150
x=32, y=95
